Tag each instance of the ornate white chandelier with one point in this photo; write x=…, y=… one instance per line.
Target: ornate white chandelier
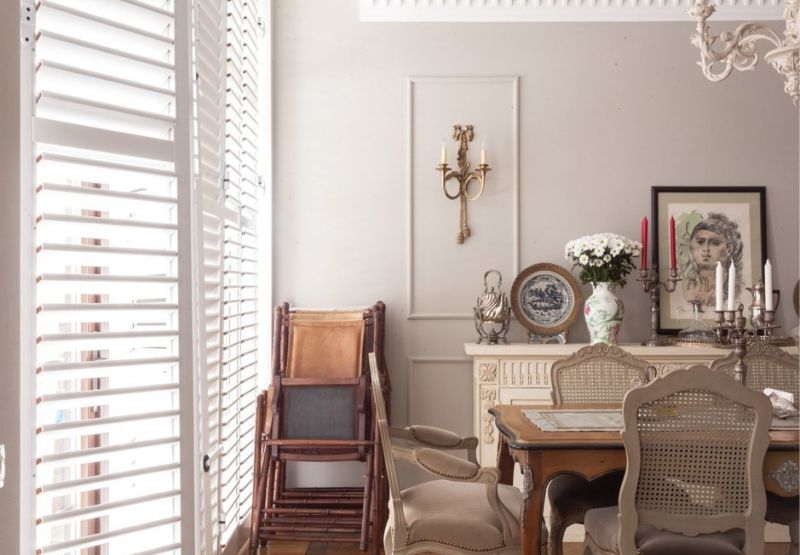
x=739, y=47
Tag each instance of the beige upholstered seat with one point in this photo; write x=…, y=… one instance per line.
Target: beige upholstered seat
x=465, y=511
x=457, y=514
x=705, y=435
x=594, y=375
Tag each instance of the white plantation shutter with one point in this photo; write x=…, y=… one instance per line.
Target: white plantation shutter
x=239, y=338
x=210, y=72
x=111, y=300
x=146, y=192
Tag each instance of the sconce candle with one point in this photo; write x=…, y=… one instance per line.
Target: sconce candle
x=443, y=155
x=483, y=151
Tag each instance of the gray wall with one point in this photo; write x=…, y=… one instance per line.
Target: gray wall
x=10, y=401
x=605, y=112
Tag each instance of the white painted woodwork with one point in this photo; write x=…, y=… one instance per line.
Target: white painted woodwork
x=435, y=104
x=515, y=11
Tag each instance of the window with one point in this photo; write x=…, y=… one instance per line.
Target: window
x=146, y=263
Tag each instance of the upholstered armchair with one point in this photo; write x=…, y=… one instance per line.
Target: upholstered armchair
x=705, y=435
x=596, y=374
x=465, y=510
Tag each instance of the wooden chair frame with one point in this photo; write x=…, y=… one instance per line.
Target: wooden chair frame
x=751, y=521
x=639, y=369
x=395, y=537
x=636, y=370
x=775, y=355
x=779, y=510
x=317, y=514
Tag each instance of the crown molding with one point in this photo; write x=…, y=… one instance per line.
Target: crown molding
x=499, y=11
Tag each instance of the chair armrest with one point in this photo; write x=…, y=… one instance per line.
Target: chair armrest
x=447, y=466
x=439, y=438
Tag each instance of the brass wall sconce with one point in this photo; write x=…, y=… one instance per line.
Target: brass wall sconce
x=463, y=136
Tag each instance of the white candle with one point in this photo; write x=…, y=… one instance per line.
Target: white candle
x=443, y=155
x=731, y=287
x=483, y=151
x=768, y=286
x=718, y=288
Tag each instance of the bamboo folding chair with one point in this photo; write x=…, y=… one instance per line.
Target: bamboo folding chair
x=318, y=410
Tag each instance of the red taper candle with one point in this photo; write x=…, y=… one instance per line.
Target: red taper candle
x=644, y=243
x=672, y=258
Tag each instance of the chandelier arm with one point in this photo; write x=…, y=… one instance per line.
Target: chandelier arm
x=738, y=49
x=741, y=41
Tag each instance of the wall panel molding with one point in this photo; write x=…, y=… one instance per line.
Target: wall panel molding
x=498, y=11
x=513, y=81
x=415, y=360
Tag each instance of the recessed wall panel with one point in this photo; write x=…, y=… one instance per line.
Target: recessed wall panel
x=446, y=276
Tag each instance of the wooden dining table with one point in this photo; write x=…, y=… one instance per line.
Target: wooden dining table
x=545, y=454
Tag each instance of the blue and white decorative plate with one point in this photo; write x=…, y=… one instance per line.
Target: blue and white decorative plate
x=546, y=299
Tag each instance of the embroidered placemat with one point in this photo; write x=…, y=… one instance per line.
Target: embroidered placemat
x=589, y=420
x=607, y=420
x=785, y=423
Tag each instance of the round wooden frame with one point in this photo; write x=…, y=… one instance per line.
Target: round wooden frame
x=523, y=277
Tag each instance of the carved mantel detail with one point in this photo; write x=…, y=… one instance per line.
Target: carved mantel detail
x=487, y=372
x=488, y=397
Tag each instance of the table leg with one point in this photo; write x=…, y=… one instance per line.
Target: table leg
x=533, y=488
x=505, y=463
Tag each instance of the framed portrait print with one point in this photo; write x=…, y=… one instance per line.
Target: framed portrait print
x=712, y=224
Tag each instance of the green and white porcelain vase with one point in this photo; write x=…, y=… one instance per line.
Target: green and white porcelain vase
x=603, y=311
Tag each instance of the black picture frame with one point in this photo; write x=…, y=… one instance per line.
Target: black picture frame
x=741, y=210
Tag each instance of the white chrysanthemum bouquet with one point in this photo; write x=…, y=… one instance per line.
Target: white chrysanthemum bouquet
x=603, y=257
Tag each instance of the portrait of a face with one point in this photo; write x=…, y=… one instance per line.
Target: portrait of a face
x=705, y=240
x=712, y=225
x=708, y=248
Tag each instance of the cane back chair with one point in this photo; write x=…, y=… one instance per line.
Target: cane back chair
x=706, y=435
x=319, y=410
x=466, y=510
x=770, y=366
x=597, y=374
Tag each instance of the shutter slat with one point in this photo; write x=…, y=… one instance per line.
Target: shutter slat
x=105, y=508
x=92, y=453
x=101, y=394
x=98, y=364
x=105, y=423
x=96, y=539
x=105, y=479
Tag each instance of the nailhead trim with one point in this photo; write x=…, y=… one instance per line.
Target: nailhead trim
x=439, y=473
